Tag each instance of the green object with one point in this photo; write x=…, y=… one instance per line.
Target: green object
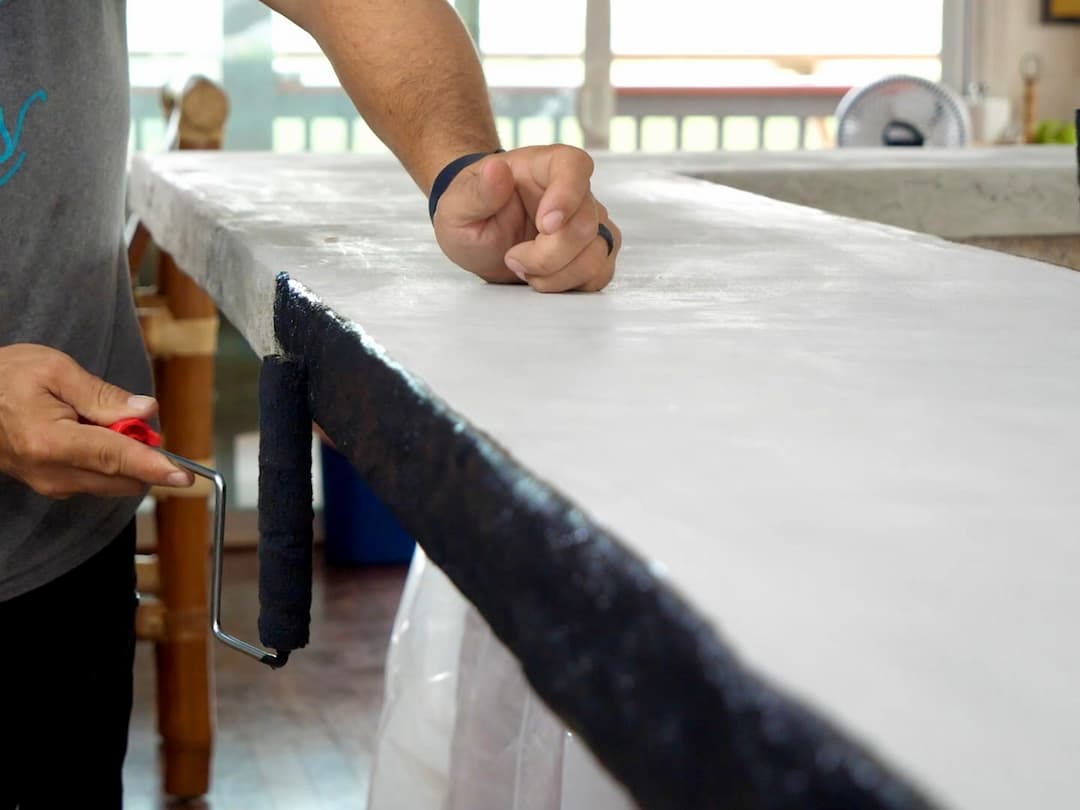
x=1053, y=131
x=1046, y=131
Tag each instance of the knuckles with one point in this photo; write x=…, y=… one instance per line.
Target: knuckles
x=599, y=281
x=579, y=156
x=109, y=461
x=33, y=449
x=105, y=394
x=584, y=227
x=53, y=365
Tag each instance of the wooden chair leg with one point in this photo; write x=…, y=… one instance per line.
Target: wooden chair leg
x=185, y=716
x=184, y=675
x=180, y=329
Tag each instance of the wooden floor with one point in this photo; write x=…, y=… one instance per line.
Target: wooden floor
x=297, y=739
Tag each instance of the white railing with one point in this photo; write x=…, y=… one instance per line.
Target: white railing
x=291, y=101
x=302, y=118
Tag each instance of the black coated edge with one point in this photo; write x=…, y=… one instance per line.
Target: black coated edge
x=664, y=704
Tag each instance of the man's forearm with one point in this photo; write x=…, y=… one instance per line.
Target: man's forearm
x=410, y=68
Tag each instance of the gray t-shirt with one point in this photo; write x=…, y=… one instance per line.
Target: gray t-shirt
x=63, y=265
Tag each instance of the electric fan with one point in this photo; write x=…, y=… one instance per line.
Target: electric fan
x=902, y=111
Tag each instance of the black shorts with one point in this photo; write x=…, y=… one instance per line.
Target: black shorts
x=66, y=653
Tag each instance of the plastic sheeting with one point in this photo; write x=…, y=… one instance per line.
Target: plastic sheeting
x=461, y=729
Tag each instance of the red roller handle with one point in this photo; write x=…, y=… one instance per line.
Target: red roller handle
x=137, y=429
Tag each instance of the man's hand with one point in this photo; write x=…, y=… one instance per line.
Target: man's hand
x=411, y=69
x=43, y=443
x=528, y=214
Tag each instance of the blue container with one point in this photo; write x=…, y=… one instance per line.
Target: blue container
x=360, y=529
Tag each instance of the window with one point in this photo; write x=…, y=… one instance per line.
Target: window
x=740, y=43
x=297, y=56
x=169, y=39
x=688, y=74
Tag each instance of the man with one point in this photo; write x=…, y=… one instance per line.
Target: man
x=71, y=360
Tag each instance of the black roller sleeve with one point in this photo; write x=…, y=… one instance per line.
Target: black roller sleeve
x=285, y=510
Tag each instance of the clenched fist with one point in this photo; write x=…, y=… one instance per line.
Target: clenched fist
x=529, y=214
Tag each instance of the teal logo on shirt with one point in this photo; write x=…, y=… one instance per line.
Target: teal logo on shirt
x=11, y=157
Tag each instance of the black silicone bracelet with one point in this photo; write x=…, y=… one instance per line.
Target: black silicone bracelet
x=447, y=175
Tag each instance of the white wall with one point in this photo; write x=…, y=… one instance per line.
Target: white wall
x=1005, y=30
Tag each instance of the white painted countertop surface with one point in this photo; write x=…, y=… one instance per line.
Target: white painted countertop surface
x=955, y=193
x=855, y=449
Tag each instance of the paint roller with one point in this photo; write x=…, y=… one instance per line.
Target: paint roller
x=285, y=513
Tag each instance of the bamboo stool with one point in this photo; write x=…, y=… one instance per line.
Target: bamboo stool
x=179, y=324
